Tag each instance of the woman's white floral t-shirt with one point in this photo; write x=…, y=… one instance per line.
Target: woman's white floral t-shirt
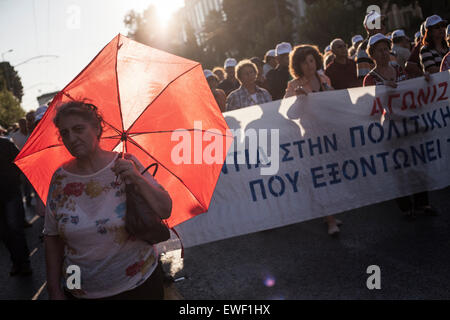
x=87, y=212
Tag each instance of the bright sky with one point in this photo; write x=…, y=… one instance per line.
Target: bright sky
x=74, y=30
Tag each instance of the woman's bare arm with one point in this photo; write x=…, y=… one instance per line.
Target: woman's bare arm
x=54, y=256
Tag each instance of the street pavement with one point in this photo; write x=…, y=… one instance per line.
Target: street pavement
x=299, y=261
x=25, y=288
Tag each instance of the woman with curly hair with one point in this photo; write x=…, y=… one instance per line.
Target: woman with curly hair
x=304, y=65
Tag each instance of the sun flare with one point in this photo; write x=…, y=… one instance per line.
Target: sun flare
x=164, y=8
x=167, y=8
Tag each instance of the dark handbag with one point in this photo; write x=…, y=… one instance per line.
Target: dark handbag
x=140, y=220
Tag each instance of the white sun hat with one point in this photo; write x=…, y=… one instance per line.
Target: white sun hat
x=399, y=33
x=433, y=20
x=271, y=53
x=208, y=73
x=283, y=48
x=230, y=62
x=357, y=38
x=377, y=38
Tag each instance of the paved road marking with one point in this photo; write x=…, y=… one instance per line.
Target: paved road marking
x=39, y=291
x=33, y=252
x=34, y=219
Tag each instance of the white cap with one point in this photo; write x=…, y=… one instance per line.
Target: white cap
x=398, y=34
x=40, y=112
x=270, y=53
x=433, y=20
x=282, y=48
x=328, y=48
x=376, y=38
x=370, y=17
x=208, y=73
x=357, y=38
x=230, y=62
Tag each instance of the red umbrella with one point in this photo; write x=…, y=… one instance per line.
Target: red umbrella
x=144, y=95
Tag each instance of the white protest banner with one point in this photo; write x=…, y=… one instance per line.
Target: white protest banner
x=338, y=150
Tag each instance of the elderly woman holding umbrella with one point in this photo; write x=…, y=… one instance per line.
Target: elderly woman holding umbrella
x=84, y=220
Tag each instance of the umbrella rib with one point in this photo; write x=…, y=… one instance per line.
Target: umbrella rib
x=145, y=151
x=117, y=85
x=148, y=106
x=49, y=147
x=116, y=130
x=178, y=130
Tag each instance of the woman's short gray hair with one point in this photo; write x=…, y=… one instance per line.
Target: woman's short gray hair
x=86, y=111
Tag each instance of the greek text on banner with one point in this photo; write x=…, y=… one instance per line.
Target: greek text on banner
x=337, y=150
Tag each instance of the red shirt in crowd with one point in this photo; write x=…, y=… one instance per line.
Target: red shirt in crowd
x=445, y=65
x=343, y=76
x=373, y=78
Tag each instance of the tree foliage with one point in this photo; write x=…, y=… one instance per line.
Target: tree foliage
x=326, y=20
x=145, y=27
x=10, y=109
x=216, y=39
x=10, y=80
x=244, y=29
x=255, y=26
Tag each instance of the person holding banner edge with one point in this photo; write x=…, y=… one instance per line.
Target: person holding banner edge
x=305, y=61
x=385, y=74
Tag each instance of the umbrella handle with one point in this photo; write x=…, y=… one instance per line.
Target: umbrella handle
x=122, y=156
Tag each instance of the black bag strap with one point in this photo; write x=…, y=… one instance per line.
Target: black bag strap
x=152, y=165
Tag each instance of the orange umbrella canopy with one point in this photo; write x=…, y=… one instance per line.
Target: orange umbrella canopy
x=144, y=96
